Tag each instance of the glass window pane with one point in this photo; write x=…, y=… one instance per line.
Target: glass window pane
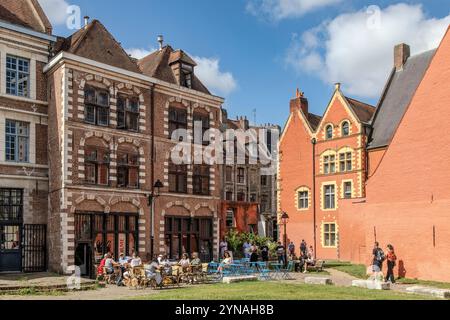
x=103, y=116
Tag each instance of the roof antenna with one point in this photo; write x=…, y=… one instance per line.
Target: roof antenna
x=161, y=42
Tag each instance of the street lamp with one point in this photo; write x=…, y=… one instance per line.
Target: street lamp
x=151, y=203
x=284, y=222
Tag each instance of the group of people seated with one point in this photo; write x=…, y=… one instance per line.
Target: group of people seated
x=122, y=268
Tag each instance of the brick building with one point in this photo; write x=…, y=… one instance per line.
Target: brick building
x=322, y=160
x=25, y=43
x=398, y=193
x=86, y=146
x=249, y=194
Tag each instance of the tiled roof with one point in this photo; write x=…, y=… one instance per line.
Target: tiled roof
x=157, y=65
x=25, y=13
x=362, y=110
x=96, y=43
x=314, y=120
x=396, y=98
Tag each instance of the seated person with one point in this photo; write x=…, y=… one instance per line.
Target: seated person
x=101, y=266
x=151, y=270
x=184, y=262
x=227, y=260
x=110, y=264
x=135, y=261
x=166, y=265
x=123, y=260
x=195, y=262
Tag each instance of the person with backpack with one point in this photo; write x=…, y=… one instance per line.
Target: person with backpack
x=391, y=263
x=378, y=258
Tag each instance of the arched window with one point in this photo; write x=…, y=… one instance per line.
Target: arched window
x=96, y=162
x=329, y=132
x=345, y=129
x=127, y=167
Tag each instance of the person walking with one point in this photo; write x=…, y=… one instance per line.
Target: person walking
x=391, y=263
x=378, y=258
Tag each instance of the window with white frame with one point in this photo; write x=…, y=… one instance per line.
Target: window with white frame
x=329, y=164
x=329, y=197
x=329, y=132
x=127, y=113
x=17, y=76
x=96, y=106
x=329, y=234
x=348, y=190
x=345, y=161
x=17, y=141
x=303, y=199
x=345, y=129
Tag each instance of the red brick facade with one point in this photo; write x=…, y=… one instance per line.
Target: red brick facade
x=400, y=192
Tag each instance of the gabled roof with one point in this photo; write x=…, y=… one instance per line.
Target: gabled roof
x=25, y=13
x=96, y=43
x=157, y=65
x=396, y=98
x=362, y=110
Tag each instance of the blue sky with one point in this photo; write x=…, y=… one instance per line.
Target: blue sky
x=255, y=53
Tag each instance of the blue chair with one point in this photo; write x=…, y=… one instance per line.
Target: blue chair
x=264, y=271
x=286, y=273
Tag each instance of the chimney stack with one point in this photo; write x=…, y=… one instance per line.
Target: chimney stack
x=161, y=42
x=86, y=21
x=299, y=103
x=401, y=54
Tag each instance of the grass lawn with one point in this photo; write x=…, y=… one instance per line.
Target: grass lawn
x=274, y=291
x=356, y=270
x=440, y=285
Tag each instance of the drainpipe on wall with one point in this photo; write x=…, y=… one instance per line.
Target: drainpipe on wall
x=152, y=171
x=314, y=142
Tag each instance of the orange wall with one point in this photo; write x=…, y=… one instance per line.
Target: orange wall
x=409, y=196
x=296, y=171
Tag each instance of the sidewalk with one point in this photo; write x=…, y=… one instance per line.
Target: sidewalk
x=38, y=281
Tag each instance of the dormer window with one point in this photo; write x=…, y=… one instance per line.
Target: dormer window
x=187, y=72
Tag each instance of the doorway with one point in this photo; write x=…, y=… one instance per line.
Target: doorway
x=83, y=259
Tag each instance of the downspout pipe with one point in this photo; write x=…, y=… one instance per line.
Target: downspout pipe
x=152, y=171
x=314, y=143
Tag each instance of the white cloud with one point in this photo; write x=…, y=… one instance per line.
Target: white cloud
x=281, y=9
x=207, y=70
x=56, y=10
x=356, y=48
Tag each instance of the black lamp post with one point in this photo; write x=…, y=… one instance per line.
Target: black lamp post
x=284, y=222
x=151, y=203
